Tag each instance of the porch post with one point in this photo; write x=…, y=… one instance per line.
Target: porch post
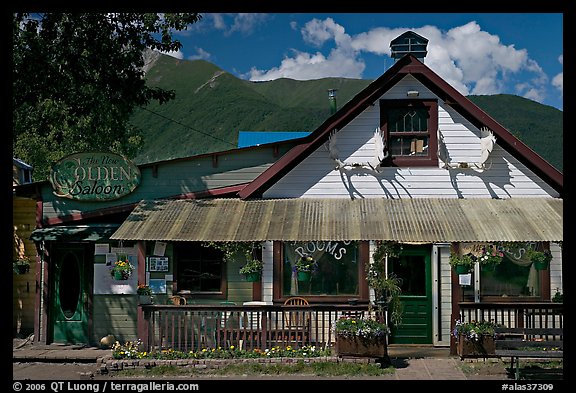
x=142, y=318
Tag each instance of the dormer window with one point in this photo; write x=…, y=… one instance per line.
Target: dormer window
x=410, y=128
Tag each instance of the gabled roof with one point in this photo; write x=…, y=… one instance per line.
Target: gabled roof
x=404, y=66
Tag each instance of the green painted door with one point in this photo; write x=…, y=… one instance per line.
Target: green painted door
x=71, y=293
x=414, y=268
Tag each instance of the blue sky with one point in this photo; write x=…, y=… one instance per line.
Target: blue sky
x=480, y=53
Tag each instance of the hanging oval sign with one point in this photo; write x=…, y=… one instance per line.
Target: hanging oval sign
x=94, y=176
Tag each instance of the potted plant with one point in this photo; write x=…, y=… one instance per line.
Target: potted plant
x=475, y=338
x=540, y=259
x=21, y=265
x=252, y=270
x=361, y=337
x=304, y=267
x=490, y=257
x=122, y=269
x=242, y=251
x=462, y=263
x=144, y=293
x=387, y=287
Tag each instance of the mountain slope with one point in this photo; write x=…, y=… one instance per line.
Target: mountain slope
x=212, y=106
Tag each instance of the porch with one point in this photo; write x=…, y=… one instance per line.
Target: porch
x=249, y=327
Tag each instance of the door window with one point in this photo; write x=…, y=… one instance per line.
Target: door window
x=69, y=285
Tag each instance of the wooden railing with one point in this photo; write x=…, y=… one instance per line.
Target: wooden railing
x=514, y=314
x=194, y=327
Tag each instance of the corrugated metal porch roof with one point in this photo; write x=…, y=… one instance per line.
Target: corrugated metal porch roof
x=407, y=220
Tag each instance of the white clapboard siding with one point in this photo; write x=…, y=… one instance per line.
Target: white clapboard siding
x=445, y=296
x=267, y=272
x=503, y=177
x=556, y=283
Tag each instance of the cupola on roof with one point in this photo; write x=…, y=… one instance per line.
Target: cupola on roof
x=408, y=42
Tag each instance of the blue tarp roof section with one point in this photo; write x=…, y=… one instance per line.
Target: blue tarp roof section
x=255, y=138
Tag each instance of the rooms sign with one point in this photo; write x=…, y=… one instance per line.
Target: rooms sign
x=94, y=176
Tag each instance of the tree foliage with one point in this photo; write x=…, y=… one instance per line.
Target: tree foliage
x=77, y=77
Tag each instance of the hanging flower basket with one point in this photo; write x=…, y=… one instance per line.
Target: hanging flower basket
x=462, y=263
x=252, y=270
x=304, y=267
x=540, y=259
x=253, y=277
x=122, y=270
x=21, y=265
x=490, y=257
x=541, y=265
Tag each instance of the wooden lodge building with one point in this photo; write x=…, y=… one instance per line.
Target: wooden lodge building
x=408, y=159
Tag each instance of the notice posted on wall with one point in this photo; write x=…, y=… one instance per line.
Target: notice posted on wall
x=101, y=249
x=465, y=279
x=159, y=248
x=157, y=285
x=157, y=264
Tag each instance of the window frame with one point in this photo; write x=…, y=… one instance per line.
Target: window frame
x=278, y=290
x=431, y=105
x=219, y=294
x=543, y=284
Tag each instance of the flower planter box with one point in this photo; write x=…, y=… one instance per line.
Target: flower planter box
x=144, y=299
x=485, y=347
x=540, y=265
x=304, y=276
x=355, y=346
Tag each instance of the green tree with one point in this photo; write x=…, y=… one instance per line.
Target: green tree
x=77, y=77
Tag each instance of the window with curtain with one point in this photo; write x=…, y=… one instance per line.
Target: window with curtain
x=336, y=272
x=514, y=277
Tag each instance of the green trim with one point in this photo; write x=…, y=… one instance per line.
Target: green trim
x=89, y=232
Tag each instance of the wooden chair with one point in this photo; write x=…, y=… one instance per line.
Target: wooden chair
x=297, y=323
x=178, y=300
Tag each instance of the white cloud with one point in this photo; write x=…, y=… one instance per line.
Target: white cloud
x=200, y=54
x=232, y=23
x=342, y=61
x=473, y=61
x=246, y=23
x=558, y=80
x=306, y=66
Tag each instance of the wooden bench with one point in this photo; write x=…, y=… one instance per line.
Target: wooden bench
x=528, y=343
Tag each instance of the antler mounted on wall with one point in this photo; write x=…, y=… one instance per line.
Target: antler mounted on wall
x=379, y=153
x=487, y=142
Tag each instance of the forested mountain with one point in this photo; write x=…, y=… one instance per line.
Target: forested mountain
x=212, y=106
